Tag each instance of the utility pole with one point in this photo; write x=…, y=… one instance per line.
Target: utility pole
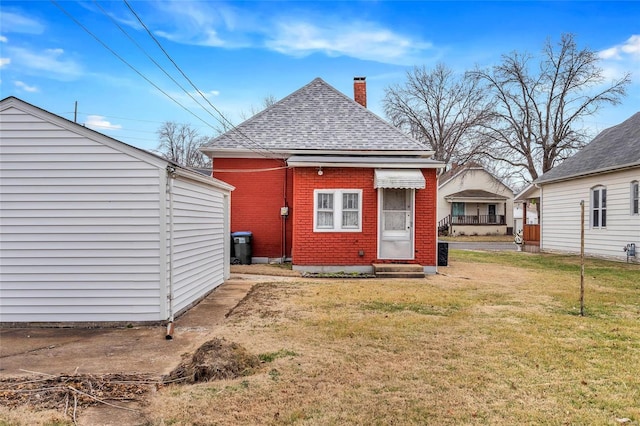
x=75, y=113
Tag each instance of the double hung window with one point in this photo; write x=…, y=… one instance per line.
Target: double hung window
x=337, y=210
x=599, y=207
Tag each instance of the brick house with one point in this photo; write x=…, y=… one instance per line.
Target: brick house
x=324, y=182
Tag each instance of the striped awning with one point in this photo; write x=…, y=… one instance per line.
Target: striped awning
x=405, y=179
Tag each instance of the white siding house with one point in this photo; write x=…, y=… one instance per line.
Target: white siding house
x=94, y=230
x=471, y=201
x=605, y=175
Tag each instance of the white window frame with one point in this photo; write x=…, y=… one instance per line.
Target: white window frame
x=634, y=201
x=600, y=208
x=337, y=210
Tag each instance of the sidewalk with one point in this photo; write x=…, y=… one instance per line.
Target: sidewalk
x=24, y=351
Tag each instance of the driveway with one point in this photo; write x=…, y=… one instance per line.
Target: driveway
x=56, y=351
x=485, y=246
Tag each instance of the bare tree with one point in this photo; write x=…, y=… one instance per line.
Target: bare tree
x=540, y=106
x=440, y=109
x=180, y=143
x=266, y=103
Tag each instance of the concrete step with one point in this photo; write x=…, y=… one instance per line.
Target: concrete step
x=400, y=275
x=397, y=270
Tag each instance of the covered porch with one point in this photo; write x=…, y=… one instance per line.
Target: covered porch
x=529, y=201
x=476, y=212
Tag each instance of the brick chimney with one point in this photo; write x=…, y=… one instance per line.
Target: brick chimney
x=360, y=90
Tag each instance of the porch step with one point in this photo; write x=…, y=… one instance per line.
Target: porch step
x=397, y=270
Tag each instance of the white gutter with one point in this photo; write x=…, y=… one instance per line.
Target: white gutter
x=171, y=175
x=246, y=153
x=370, y=165
x=202, y=179
x=540, y=180
x=364, y=162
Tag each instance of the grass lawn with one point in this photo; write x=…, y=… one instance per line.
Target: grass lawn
x=496, y=338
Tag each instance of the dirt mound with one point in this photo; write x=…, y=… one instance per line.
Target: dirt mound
x=216, y=359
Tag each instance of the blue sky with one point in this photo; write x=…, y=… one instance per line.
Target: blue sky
x=238, y=53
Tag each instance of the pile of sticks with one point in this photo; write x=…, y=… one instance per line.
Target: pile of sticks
x=68, y=393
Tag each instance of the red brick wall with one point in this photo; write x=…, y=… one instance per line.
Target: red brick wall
x=426, y=220
x=256, y=202
x=341, y=248
x=360, y=91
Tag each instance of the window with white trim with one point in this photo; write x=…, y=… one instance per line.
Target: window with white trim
x=337, y=210
x=599, y=207
x=634, y=197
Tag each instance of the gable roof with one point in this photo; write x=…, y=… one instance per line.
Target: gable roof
x=12, y=102
x=617, y=147
x=457, y=169
x=531, y=191
x=460, y=169
x=316, y=117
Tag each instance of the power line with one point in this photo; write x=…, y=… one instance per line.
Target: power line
x=104, y=12
x=55, y=3
x=233, y=127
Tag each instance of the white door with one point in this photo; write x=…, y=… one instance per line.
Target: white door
x=395, y=223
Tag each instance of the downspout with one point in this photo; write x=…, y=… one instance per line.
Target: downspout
x=284, y=216
x=539, y=208
x=284, y=219
x=171, y=175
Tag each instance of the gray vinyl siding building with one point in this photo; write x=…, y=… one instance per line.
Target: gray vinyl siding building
x=95, y=231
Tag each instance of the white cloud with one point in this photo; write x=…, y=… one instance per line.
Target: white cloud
x=3, y=39
x=51, y=61
x=204, y=24
x=359, y=40
x=287, y=32
x=16, y=23
x=632, y=46
x=98, y=122
x=610, y=53
x=4, y=62
x=209, y=93
x=24, y=86
x=196, y=95
x=205, y=38
x=629, y=49
x=621, y=59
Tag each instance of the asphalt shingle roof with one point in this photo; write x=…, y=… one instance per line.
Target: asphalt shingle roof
x=615, y=147
x=316, y=117
x=476, y=193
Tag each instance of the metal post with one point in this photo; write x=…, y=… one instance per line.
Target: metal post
x=582, y=258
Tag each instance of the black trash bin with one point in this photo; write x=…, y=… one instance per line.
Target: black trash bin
x=242, y=246
x=232, y=252
x=443, y=253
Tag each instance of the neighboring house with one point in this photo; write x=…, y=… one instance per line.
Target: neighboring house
x=328, y=184
x=604, y=175
x=471, y=201
x=526, y=214
x=96, y=231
